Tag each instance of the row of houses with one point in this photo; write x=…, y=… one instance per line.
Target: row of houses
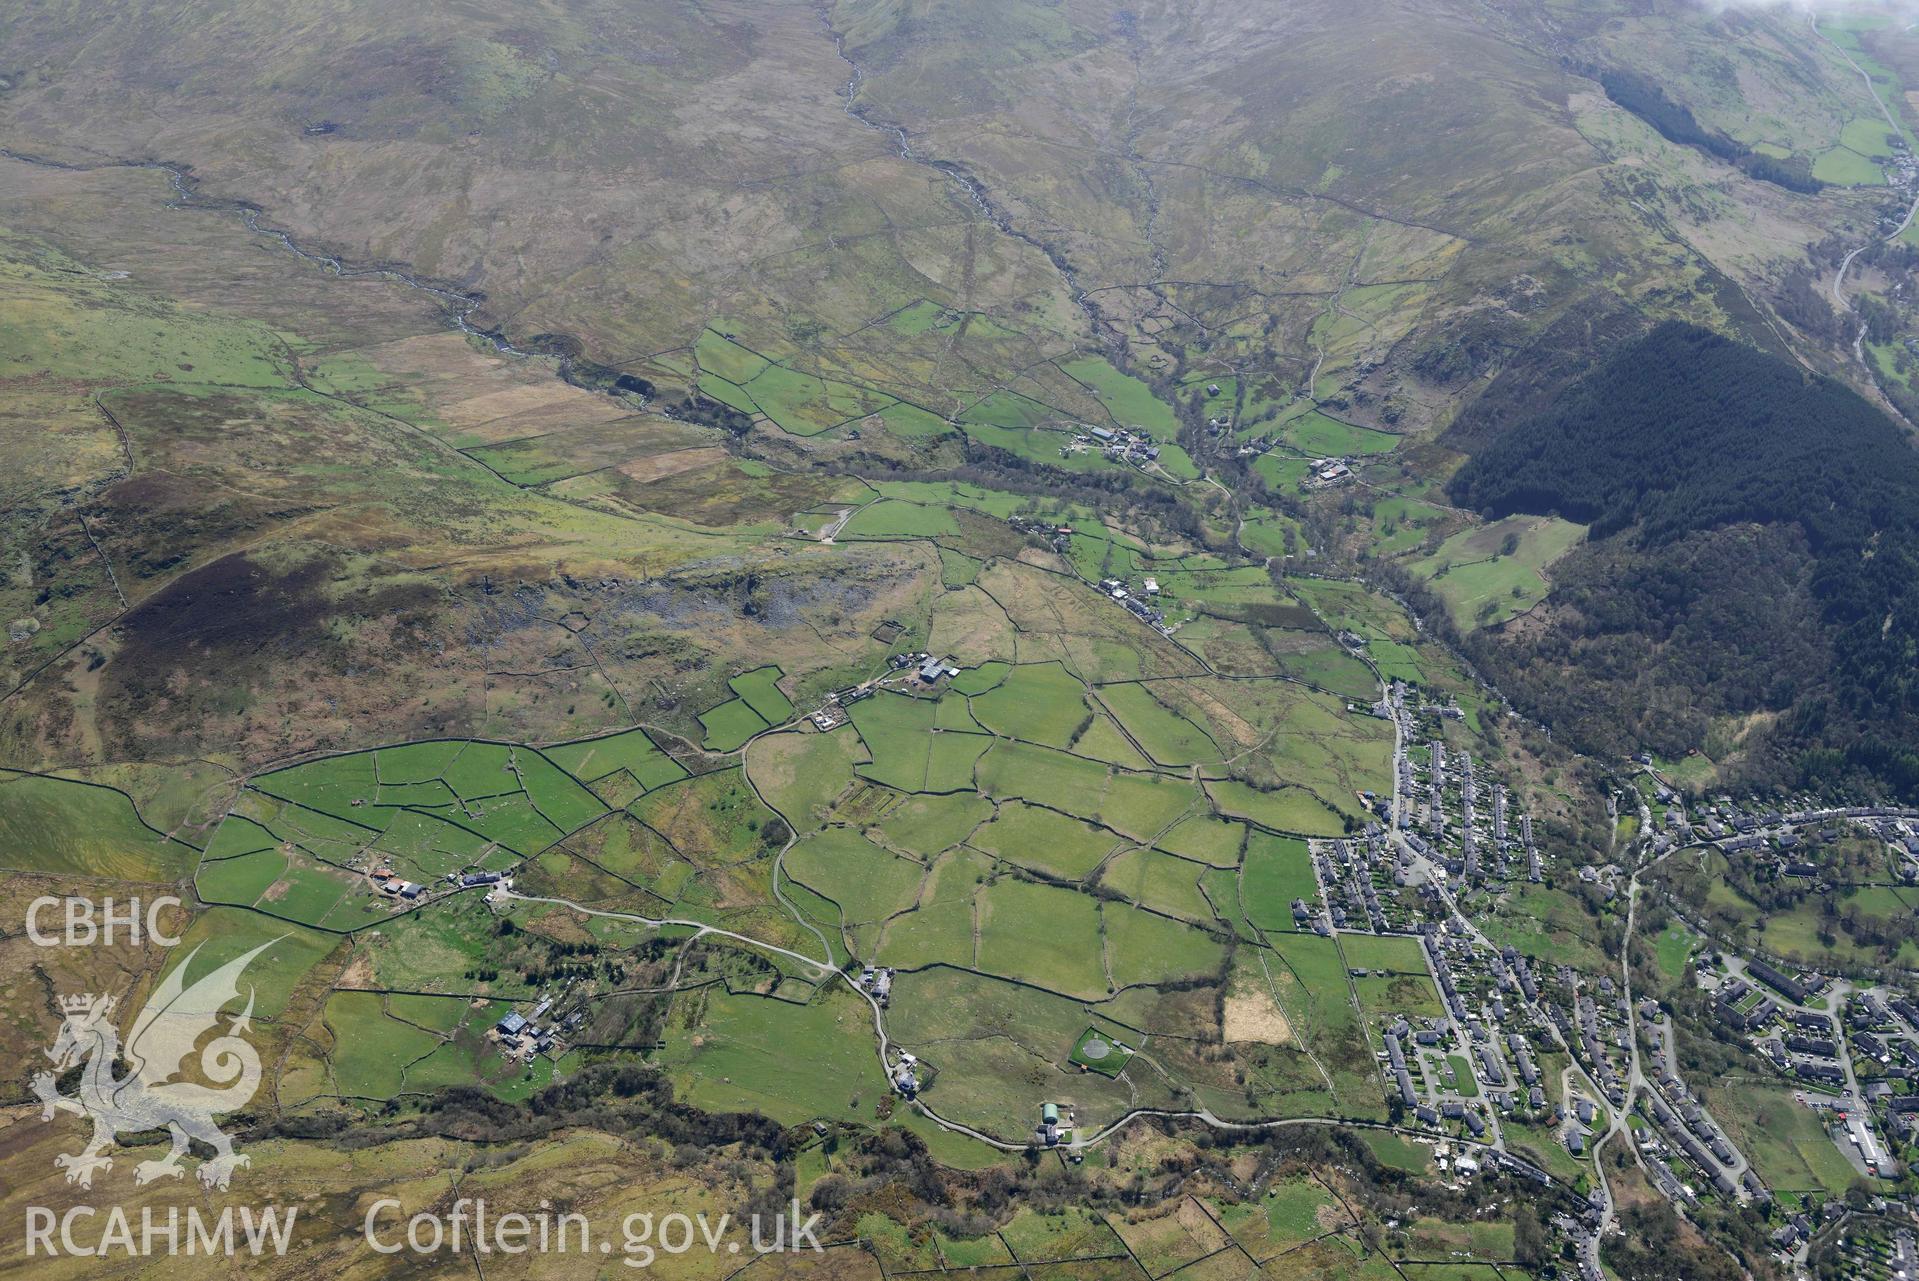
x=1140, y=604
x=1443, y=796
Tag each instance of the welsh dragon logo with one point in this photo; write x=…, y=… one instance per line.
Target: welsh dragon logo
x=166, y=1031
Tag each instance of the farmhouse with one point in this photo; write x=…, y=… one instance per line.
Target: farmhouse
x=1327, y=471
x=1049, y=1123
x=878, y=982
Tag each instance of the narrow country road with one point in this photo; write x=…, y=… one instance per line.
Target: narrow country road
x=1912, y=210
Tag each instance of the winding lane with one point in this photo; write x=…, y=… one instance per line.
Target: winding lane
x=1912, y=210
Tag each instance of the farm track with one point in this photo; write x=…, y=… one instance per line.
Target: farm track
x=822, y=971
x=1203, y=1115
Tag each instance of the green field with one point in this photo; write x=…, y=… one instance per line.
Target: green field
x=908, y=749
x=1166, y=736
x=223, y=934
x=1143, y=947
x=890, y=518
x=1285, y=809
x=591, y=760
x=1206, y=839
x=1038, y=704
x=1395, y=954
x=793, y=1063
x=1847, y=168
x=1400, y=1154
x=759, y=689
x=1547, y=924
x=1042, y=935
x=1317, y=434
x=1136, y=804
x=801, y=775
x=868, y=883
x=927, y=825
x=1046, y=841
x=730, y=724
x=757, y=705
x=1309, y=978
x=1785, y=1140
x=1160, y=882
x=1130, y=402
x=375, y=1053
x=60, y=826
x=1485, y=583
x=1278, y=870
x=1673, y=949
